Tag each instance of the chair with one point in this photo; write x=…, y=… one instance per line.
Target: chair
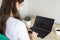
x=3, y=37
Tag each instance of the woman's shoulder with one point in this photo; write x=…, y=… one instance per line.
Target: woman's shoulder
x=13, y=20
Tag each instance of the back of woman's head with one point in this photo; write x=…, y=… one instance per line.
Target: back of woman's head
x=7, y=7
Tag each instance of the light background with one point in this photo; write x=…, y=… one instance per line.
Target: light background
x=46, y=8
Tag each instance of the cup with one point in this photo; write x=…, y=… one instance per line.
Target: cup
x=57, y=31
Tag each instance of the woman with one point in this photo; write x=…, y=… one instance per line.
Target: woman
x=10, y=21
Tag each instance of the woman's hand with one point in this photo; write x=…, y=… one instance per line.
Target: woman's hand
x=33, y=35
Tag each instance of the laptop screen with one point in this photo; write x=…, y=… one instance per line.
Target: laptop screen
x=44, y=23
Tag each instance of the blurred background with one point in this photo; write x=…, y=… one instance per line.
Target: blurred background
x=46, y=8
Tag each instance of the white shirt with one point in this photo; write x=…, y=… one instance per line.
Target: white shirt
x=16, y=29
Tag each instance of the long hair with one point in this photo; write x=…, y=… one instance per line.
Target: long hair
x=7, y=7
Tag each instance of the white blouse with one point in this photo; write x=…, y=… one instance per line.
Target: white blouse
x=16, y=29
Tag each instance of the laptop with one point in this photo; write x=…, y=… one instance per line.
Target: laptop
x=42, y=26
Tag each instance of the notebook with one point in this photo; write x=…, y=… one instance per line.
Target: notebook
x=42, y=26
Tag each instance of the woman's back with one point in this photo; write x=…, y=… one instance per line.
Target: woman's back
x=16, y=29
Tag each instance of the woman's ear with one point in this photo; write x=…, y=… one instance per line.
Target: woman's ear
x=17, y=5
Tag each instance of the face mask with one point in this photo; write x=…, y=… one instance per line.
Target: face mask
x=21, y=9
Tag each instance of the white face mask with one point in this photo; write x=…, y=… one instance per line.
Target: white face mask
x=21, y=8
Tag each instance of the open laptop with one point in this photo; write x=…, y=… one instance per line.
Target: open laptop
x=42, y=26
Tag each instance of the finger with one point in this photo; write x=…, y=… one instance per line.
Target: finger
x=37, y=33
x=29, y=30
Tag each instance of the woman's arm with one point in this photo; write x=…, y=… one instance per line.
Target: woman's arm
x=23, y=33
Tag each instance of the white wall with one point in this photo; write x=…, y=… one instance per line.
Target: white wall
x=46, y=8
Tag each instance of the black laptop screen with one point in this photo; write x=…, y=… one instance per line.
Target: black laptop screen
x=44, y=23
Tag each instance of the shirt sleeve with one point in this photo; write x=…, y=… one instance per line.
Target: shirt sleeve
x=23, y=33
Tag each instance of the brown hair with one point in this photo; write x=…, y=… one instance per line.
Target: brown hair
x=7, y=7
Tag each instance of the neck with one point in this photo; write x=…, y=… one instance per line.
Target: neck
x=11, y=14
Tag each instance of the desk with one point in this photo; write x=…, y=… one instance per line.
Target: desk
x=52, y=35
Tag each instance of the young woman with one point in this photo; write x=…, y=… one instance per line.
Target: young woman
x=10, y=21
